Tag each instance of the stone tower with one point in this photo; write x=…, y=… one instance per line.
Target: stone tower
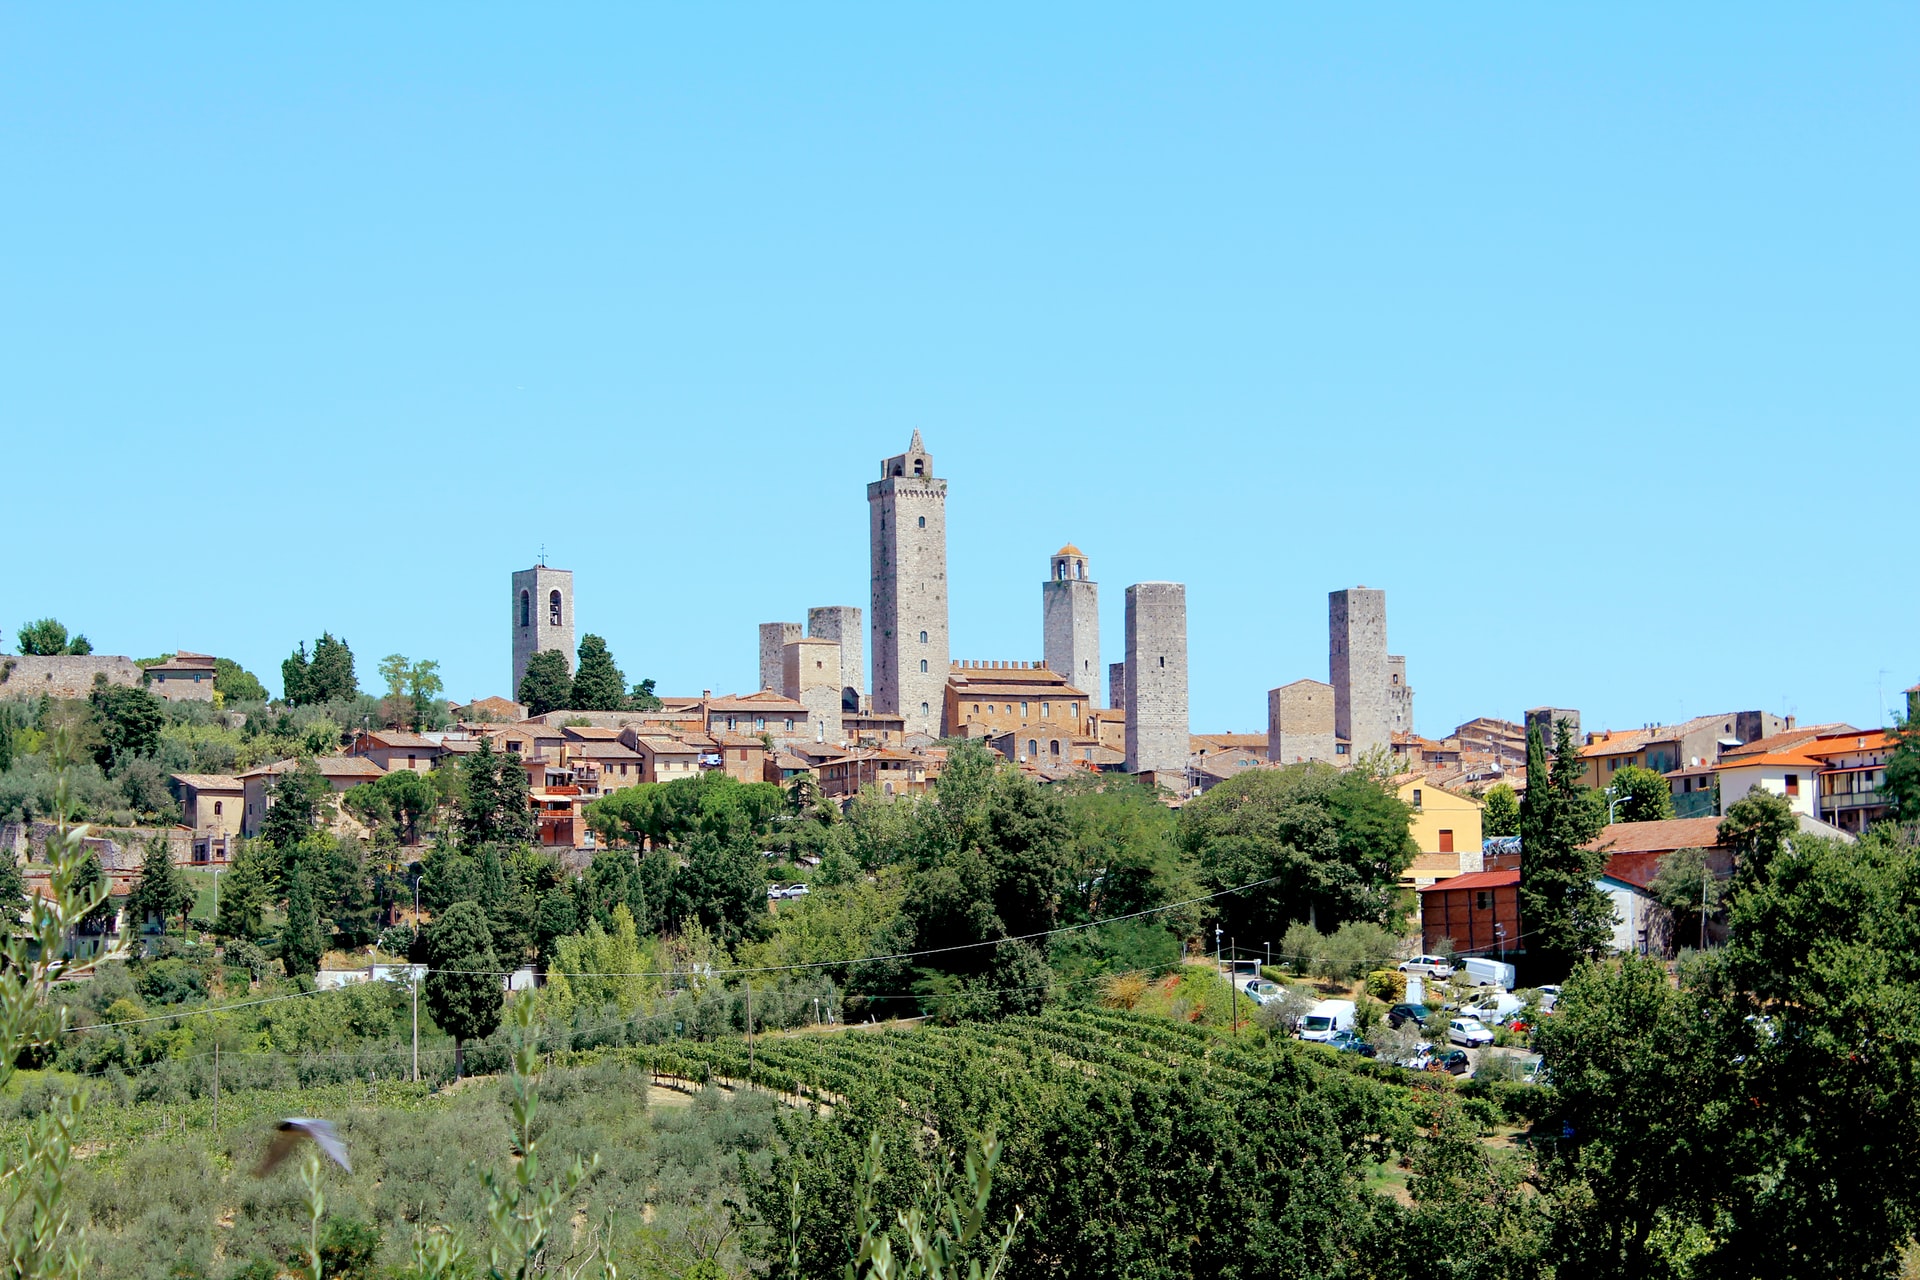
x=1357, y=662
x=810, y=675
x=1300, y=722
x=1070, y=620
x=1157, y=738
x=774, y=637
x=542, y=617
x=907, y=512
x=1116, y=686
x=1399, y=693
x=842, y=623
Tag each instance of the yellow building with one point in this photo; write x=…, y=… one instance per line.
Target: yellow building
x=1446, y=826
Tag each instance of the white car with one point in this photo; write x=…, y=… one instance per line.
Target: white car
x=1549, y=996
x=1260, y=991
x=1469, y=1032
x=798, y=890
x=1438, y=966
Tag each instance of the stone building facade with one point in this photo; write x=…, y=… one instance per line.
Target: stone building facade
x=1545, y=718
x=774, y=639
x=1070, y=620
x=62, y=675
x=1157, y=732
x=843, y=624
x=1046, y=715
x=1357, y=663
x=810, y=675
x=907, y=513
x=542, y=617
x=1300, y=723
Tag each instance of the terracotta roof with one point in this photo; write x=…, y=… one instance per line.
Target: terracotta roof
x=1772, y=759
x=184, y=661
x=765, y=700
x=329, y=767
x=209, y=781
x=1662, y=836
x=398, y=738
x=1783, y=741
x=589, y=733
x=1848, y=743
x=1069, y=550
x=721, y=738
x=1476, y=880
x=602, y=751
x=668, y=747
x=1227, y=741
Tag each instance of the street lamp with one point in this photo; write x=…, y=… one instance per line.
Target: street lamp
x=1500, y=941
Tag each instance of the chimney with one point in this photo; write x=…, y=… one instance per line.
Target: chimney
x=706, y=695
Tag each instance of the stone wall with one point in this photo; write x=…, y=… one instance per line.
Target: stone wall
x=121, y=850
x=907, y=515
x=810, y=675
x=62, y=675
x=845, y=625
x=1157, y=732
x=774, y=639
x=1357, y=664
x=1300, y=722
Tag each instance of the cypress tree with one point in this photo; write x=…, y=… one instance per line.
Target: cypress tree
x=330, y=677
x=463, y=989
x=241, y=898
x=1563, y=914
x=597, y=683
x=302, y=946
x=162, y=889
x=546, y=686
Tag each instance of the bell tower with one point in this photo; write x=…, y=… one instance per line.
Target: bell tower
x=1070, y=621
x=542, y=618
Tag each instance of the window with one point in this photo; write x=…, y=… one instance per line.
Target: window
x=1023, y=711
x=760, y=722
x=526, y=609
x=923, y=709
x=1416, y=797
x=789, y=724
x=1446, y=840
x=1163, y=661
x=923, y=522
x=1793, y=784
x=1053, y=747
x=1483, y=900
x=920, y=469
x=730, y=723
x=923, y=664
x=976, y=708
x=1046, y=710
x=216, y=807
x=923, y=640
x=1033, y=748
x=553, y=609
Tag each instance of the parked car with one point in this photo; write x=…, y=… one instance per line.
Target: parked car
x=1418, y=1062
x=1438, y=966
x=1263, y=990
x=1494, y=1009
x=1350, y=1042
x=798, y=891
x=1401, y=1014
x=1549, y=996
x=1468, y=1031
x=1326, y=1018
x=1452, y=1061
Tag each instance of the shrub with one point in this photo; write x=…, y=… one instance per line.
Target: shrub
x=1303, y=947
x=1389, y=985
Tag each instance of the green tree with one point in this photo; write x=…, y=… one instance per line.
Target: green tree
x=393, y=670
x=162, y=890
x=547, y=685
x=1501, y=814
x=597, y=683
x=301, y=945
x=326, y=677
x=495, y=808
x=48, y=638
x=1640, y=795
x=424, y=687
x=7, y=740
x=293, y=676
x=243, y=897
x=1563, y=914
x=398, y=800
x=126, y=723
x=1685, y=885
x=463, y=989
x=298, y=801
x=1900, y=784
x=1758, y=828
x=643, y=698
x=1330, y=847
x=235, y=683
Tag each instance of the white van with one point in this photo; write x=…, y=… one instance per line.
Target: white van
x=1494, y=1009
x=1327, y=1018
x=1482, y=972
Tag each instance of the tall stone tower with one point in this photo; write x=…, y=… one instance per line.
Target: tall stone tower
x=1157, y=680
x=1116, y=686
x=810, y=675
x=842, y=623
x=907, y=511
x=1070, y=621
x=542, y=617
x=774, y=638
x=1357, y=661
x=1399, y=693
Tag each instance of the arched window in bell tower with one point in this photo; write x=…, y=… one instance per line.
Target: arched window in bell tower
x=526, y=609
x=553, y=609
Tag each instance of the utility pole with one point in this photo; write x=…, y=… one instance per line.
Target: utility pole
x=415, y=986
x=216, y=1084
x=1705, y=872
x=749, y=1033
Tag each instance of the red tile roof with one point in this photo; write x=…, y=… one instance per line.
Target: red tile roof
x=1476, y=880
x=1663, y=836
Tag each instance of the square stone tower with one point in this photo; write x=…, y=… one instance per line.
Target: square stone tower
x=1070, y=620
x=1117, y=686
x=1300, y=722
x=774, y=638
x=810, y=675
x=1399, y=693
x=1546, y=718
x=1357, y=661
x=842, y=623
x=542, y=617
x=907, y=512
x=1157, y=739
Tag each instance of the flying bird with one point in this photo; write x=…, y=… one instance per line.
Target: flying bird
x=287, y=1136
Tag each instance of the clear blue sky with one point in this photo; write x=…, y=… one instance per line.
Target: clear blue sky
x=1590, y=337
